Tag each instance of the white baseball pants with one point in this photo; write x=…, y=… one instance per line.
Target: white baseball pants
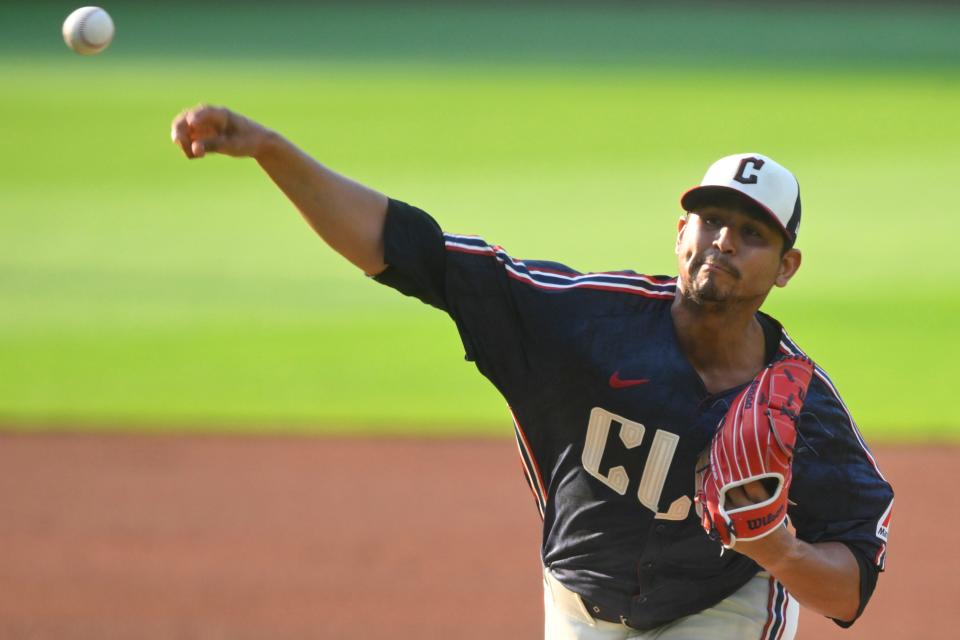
x=761, y=610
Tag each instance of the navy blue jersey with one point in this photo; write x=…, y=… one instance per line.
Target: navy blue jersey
x=610, y=418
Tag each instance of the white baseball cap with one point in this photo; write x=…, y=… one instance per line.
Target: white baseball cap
x=764, y=182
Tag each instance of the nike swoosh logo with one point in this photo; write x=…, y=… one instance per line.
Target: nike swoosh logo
x=619, y=383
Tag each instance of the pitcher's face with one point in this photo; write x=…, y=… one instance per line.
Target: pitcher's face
x=726, y=256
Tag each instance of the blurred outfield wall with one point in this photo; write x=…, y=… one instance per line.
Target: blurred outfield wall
x=137, y=289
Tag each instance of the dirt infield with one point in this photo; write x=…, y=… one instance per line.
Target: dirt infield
x=243, y=538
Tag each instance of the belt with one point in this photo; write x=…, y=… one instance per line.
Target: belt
x=603, y=613
x=578, y=606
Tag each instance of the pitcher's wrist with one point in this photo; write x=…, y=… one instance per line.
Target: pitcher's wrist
x=268, y=142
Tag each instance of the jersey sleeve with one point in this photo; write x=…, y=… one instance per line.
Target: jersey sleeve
x=414, y=254
x=502, y=318
x=838, y=490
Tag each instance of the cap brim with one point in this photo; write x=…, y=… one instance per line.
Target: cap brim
x=699, y=195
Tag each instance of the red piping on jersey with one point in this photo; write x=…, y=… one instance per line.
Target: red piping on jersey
x=634, y=288
x=826, y=380
x=600, y=287
x=888, y=514
x=480, y=251
x=625, y=274
x=853, y=424
x=539, y=493
x=452, y=245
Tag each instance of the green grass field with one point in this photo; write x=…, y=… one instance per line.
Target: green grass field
x=141, y=290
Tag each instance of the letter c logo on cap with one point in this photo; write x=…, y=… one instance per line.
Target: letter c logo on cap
x=742, y=176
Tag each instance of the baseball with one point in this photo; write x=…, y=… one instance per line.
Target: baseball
x=88, y=30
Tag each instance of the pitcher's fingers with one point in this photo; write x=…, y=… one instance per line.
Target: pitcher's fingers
x=193, y=126
x=736, y=497
x=206, y=119
x=755, y=492
x=180, y=133
x=203, y=146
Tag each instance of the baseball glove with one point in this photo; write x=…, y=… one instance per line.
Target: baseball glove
x=754, y=442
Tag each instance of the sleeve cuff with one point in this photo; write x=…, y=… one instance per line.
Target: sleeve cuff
x=868, y=582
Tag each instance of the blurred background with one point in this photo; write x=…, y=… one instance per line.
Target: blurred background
x=137, y=288
x=143, y=294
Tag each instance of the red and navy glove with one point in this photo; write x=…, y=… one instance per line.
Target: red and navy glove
x=754, y=443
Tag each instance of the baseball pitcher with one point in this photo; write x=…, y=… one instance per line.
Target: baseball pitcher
x=697, y=474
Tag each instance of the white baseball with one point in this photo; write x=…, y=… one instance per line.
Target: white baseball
x=88, y=30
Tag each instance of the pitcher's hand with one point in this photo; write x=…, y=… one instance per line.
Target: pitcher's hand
x=206, y=129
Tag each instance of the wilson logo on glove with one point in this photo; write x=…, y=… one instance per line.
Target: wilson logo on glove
x=751, y=394
x=756, y=523
x=754, y=442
